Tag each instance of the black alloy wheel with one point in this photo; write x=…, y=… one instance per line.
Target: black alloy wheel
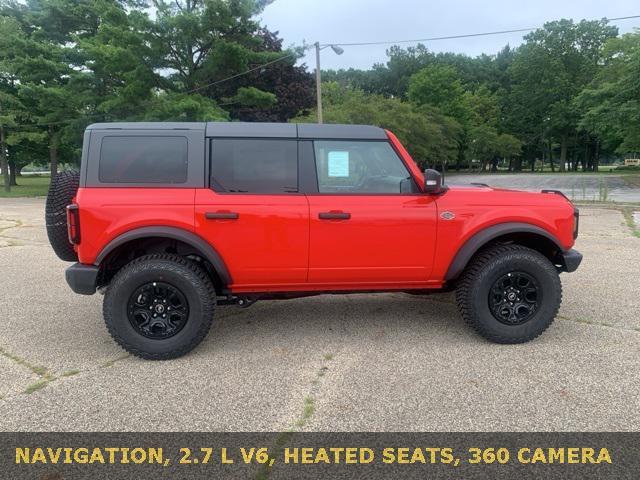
x=514, y=298
x=158, y=310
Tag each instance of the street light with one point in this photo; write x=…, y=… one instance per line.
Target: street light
x=338, y=51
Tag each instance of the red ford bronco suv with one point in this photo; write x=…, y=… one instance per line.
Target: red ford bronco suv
x=171, y=219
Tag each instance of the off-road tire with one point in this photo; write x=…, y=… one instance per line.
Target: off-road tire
x=61, y=192
x=472, y=292
x=181, y=273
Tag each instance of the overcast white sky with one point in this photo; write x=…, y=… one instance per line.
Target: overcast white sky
x=335, y=21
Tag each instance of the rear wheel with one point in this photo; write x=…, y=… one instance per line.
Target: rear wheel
x=159, y=306
x=509, y=293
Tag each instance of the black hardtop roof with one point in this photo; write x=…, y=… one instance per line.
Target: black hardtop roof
x=256, y=129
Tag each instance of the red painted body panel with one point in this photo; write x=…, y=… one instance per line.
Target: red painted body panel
x=106, y=213
x=267, y=244
x=476, y=208
x=278, y=243
x=389, y=238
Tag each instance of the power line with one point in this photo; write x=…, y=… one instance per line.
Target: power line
x=259, y=67
x=431, y=39
x=451, y=37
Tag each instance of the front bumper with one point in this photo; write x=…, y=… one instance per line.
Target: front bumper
x=82, y=278
x=570, y=260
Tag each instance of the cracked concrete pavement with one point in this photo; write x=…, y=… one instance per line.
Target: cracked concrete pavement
x=386, y=362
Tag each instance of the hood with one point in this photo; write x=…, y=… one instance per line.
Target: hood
x=480, y=193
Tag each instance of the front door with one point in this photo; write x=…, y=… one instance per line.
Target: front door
x=369, y=225
x=253, y=214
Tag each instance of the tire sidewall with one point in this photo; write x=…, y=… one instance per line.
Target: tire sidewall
x=118, y=295
x=550, y=294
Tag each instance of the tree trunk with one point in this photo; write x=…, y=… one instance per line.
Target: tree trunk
x=3, y=161
x=596, y=156
x=553, y=167
x=54, y=140
x=518, y=165
x=563, y=153
x=12, y=173
x=586, y=162
x=533, y=162
x=511, y=164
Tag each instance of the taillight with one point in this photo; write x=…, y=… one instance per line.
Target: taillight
x=576, y=222
x=73, y=224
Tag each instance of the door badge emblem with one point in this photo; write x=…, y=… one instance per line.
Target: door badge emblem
x=447, y=215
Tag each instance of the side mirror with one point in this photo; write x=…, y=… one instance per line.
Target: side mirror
x=433, y=182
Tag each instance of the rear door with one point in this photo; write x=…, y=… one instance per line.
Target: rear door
x=253, y=213
x=370, y=226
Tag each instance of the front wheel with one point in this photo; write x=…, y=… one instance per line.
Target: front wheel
x=509, y=293
x=159, y=306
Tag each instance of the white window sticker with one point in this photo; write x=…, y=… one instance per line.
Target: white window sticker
x=338, y=164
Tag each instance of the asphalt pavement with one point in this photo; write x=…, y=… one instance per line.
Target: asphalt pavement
x=577, y=186
x=385, y=362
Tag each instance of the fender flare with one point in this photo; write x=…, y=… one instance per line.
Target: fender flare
x=481, y=238
x=172, y=233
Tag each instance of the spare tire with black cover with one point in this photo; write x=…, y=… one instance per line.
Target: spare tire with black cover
x=61, y=192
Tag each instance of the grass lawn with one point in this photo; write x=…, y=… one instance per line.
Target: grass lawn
x=28, y=186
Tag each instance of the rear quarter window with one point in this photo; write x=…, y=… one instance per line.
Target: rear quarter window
x=143, y=159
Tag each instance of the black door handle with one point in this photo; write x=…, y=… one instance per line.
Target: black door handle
x=334, y=216
x=221, y=216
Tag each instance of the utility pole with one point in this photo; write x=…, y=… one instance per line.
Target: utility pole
x=318, y=83
x=3, y=160
x=338, y=51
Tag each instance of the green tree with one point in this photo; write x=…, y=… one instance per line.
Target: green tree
x=439, y=86
x=483, y=107
x=548, y=72
x=611, y=104
x=483, y=144
x=203, y=42
x=281, y=91
x=508, y=147
x=14, y=116
x=39, y=60
x=173, y=106
x=431, y=137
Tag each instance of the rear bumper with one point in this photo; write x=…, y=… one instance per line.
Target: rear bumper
x=82, y=278
x=570, y=260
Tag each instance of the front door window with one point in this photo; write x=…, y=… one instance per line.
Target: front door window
x=365, y=167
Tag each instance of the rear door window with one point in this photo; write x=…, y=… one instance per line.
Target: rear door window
x=143, y=159
x=254, y=165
